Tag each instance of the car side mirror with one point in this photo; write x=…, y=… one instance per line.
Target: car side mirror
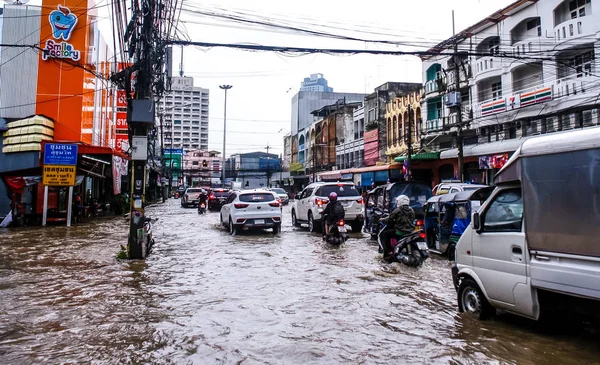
x=476, y=222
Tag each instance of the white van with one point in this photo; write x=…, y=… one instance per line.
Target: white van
x=533, y=245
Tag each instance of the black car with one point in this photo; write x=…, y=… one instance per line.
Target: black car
x=217, y=198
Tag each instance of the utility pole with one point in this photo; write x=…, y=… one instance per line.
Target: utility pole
x=409, y=144
x=162, y=154
x=268, y=165
x=459, y=140
x=224, y=87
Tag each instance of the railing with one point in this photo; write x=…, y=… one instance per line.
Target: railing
x=432, y=86
x=488, y=63
x=574, y=28
x=433, y=125
x=574, y=85
x=526, y=46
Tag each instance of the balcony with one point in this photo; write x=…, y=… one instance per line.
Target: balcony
x=433, y=125
x=574, y=85
x=522, y=48
x=433, y=86
x=487, y=66
x=518, y=99
x=573, y=29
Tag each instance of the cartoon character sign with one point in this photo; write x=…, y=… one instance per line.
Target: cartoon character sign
x=63, y=22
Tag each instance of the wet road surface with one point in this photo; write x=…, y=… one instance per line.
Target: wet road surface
x=205, y=297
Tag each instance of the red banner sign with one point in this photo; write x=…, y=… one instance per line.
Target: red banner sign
x=119, y=139
x=121, y=99
x=121, y=120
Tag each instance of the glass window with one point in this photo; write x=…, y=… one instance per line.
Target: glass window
x=341, y=190
x=257, y=197
x=505, y=213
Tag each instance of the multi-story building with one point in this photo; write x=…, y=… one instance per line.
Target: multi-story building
x=350, y=152
x=375, y=121
x=253, y=170
x=527, y=69
x=201, y=168
x=184, y=113
x=316, y=82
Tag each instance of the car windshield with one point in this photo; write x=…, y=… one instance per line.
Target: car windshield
x=257, y=197
x=340, y=190
x=193, y=190
x=469, y=188
x=221, y=194
x=417, y=193
x=278, y=191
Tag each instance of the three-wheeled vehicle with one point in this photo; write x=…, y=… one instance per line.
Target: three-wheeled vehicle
x=447, y=216
x=384, y=198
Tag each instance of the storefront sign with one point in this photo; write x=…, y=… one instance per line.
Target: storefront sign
x=60, y=154
x=493, y=162
x=62, y=22
x=59, y=175
x=493, y=107
x=121, y=99
x=122, y=142
x=121, y=120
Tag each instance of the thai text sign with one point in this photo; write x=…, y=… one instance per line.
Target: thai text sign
x=60, y=154
x=59, y=175
x=121, y=120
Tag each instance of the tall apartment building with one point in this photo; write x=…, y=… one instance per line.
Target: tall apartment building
x=316, y=82
x=184, y=110
x=528, y=69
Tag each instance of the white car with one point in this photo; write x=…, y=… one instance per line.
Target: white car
x=249, y=209
x=190, y=197
x=309, y=204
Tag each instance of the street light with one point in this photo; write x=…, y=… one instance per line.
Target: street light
x=224, y=87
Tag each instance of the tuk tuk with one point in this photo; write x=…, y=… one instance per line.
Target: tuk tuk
x=448, y=215
x=385, y=196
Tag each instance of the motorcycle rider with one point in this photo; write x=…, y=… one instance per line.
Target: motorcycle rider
x=399, y=224
x=333, y=212
x=202, y=198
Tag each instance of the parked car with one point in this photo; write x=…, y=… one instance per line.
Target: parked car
x=190, y=197
x=283, y=195
x=217, y=198
x=455, y=187
x=313, y=199
x=250, y=209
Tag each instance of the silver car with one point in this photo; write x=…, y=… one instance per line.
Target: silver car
x=282, y=194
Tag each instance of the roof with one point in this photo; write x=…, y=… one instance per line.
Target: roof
x=494, y=18
x=573, y=140
x=507, y=145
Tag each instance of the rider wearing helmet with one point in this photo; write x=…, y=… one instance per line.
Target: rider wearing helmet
x=333, y=212
x=202, y=198
x=400, y=223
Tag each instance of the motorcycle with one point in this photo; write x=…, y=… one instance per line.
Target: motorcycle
x=337, y=233
x=411, y=250
x=201, y=208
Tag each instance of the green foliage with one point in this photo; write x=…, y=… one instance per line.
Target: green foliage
x=122, y=255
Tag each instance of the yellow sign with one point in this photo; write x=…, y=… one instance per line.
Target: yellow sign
x=59, y=175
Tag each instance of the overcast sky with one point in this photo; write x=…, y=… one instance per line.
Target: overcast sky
x=259, y=104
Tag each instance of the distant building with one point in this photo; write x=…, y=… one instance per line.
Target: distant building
x=202, y=168
x=316, y=82
x=253, y=170
x=185, y=115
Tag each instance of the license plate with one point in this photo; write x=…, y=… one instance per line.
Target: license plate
x=259, y=221
x=421, y=245
x=342, y=229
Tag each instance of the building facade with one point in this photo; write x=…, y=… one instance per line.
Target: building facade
x=526, y=70
x=350, y=152
x=184, y=113
x=202, y=168
x=316, y=82
x=403, y=120
x=253, y=170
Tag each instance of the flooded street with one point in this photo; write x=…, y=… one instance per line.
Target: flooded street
x=205, y=297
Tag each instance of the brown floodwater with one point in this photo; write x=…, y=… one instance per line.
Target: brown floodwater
x=205, y=297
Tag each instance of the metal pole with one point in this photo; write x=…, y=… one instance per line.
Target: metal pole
x=162, y=155
x=45, y=211
x=70, y=206
x=224, y=87
x=459, y=142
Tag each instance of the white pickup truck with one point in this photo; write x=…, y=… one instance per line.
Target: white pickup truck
x=533, y=247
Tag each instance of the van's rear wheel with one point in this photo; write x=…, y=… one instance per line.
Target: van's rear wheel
x=472, y=301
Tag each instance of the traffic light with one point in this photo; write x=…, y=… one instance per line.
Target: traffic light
x=204, y=163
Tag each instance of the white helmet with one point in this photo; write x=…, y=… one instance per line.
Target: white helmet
x=402, y=200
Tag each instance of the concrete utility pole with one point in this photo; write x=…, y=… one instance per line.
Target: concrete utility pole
x=268, y=166
x=459, y=139
x=224, y=87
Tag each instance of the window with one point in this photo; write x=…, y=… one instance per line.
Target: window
x=257, y=197
x=577, y=8
x=582, y=64
x=307, y=193
x=371, y=116
x=505, y=213
x=535, y=23
x=496, y=90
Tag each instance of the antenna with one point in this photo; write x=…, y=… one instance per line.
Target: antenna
x=16, y=2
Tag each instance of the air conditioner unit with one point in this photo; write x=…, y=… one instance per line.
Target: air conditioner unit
x=452, y=99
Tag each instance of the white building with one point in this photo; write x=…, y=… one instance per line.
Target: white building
x=350, y=152
x=527, y=69
x=316, y=83
x=184, y=111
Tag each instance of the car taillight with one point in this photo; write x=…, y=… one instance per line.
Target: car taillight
x=360, y=200
x=419, y=222
x=320, y=202
x=241, y=206
x=211, y=197
x=422, y=235
x=274, y=204
x=276, y=219
x=341, y=223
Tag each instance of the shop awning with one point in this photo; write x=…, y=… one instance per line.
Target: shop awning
x=376, y=168
x=420, y=156
x=508, y=145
